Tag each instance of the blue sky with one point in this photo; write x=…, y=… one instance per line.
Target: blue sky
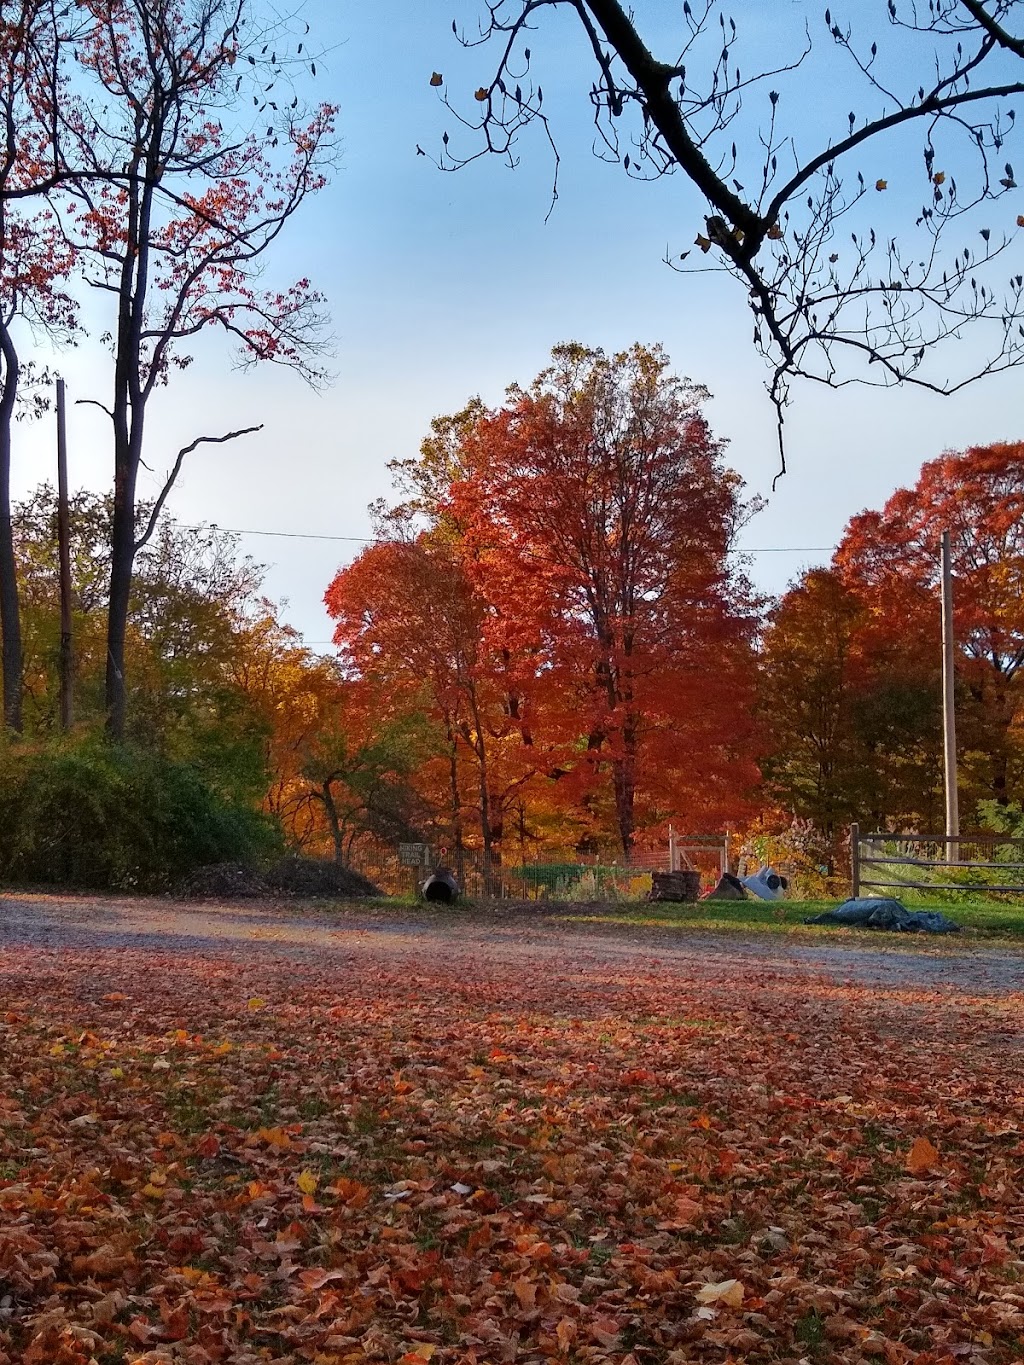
x=444, y=286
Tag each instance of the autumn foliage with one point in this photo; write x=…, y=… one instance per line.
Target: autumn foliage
x=852, y=661
x=226, y=1144
x=563, y=609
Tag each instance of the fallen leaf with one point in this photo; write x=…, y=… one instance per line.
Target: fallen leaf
x=276, y=1138
x=923, y=1157
x=729, y=1292
x=565, y=1334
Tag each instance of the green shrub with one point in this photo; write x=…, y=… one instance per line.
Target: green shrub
x=88, y=814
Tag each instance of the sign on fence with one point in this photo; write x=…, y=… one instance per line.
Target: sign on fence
x=414, y=855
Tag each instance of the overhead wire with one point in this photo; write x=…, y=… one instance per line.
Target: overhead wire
x=368, y=540
x=372, y=540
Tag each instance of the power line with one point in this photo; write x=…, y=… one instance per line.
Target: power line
x=286, y=535
x=369, y=540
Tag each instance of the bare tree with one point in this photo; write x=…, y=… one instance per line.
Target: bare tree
x=845, y=282
x=186, y=199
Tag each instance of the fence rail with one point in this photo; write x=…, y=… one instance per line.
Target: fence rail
x=889, y=861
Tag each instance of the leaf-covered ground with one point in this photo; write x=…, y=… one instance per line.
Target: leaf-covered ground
x=282, y=1137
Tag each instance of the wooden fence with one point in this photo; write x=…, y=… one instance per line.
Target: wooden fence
x=890, y=862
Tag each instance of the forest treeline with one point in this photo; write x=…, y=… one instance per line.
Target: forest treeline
x=553, y=647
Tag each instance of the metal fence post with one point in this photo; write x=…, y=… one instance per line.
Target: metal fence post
x=855, y=858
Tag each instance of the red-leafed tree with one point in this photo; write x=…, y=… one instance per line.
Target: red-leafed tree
x=891, y=560
x=597, y=520
x=411, y=624
x=849, y=708
x=185, y=202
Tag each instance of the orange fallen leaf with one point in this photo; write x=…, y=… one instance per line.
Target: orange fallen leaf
x=565, y=1333
x=526, y=1292
x=605, y=1331
x=687, y=1210
x=275, y=1137
x=923, y=1157
x=350, y=1192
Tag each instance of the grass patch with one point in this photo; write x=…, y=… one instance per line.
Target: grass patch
x=784, y=917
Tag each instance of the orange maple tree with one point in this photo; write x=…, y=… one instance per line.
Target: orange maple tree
x=410, y=622
x=569, y=601
x=598, y=519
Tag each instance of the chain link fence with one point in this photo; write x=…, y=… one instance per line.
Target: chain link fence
x=558, y=875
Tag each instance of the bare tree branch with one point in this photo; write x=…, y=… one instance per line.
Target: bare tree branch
x=157, y=508
x=838, y=293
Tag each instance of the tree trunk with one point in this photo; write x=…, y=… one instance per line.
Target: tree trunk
x=10, y=616
x=458, y=842
x=129, y=411
x=1005, y=712
x=122, y=562
x=624, y=785
x=479, y=746
x=327, y=796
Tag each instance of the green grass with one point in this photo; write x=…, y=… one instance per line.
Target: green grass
x=783, y=917
x=982, y=916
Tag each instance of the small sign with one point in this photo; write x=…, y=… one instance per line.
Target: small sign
x=413, y=855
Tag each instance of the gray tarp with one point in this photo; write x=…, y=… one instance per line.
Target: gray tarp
x=878, y=912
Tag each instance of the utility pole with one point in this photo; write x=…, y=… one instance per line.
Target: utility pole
x=948, y=710
x=67, y=662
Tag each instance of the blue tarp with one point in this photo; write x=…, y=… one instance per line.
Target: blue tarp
x=880, y=912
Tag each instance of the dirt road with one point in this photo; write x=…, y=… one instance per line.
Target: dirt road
x=247, y=931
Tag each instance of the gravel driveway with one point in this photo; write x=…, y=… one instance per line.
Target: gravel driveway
x=971, y=964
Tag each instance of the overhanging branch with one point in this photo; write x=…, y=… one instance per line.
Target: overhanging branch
x=176, y=470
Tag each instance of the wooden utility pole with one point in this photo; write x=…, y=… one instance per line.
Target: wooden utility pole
x=67, y=662
x=948, y=707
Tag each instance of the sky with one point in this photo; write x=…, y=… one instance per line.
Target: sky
x=444, y=286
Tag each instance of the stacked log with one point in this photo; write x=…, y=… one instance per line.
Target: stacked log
x=675, y=886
